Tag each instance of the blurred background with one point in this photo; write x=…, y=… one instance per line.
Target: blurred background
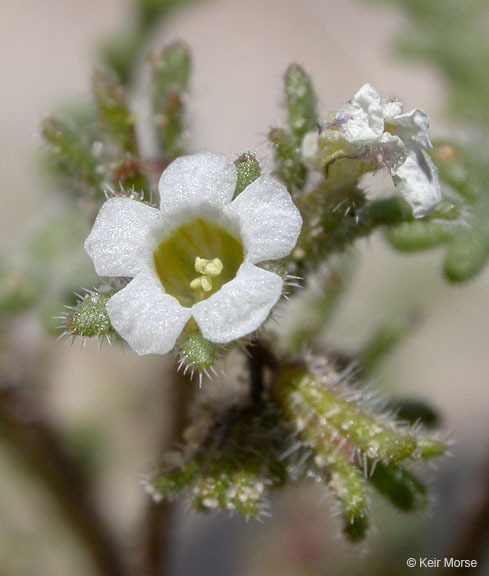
x=109, y=402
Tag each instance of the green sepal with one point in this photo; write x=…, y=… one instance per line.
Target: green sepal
x=89, y=317
x=247, y=171
x=195, y=352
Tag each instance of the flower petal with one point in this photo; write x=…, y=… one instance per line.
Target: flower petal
x=120, y=241
x=417, y=181
x=391, y=107
x=268, y=221
x=394, y=151
x=364, y=121
x=198, y=182
x=148, y=319
x=413, y=128
x=240, y=306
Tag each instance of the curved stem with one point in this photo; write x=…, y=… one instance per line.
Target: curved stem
x=159, y=521
x=39, y=443
x=259, y=358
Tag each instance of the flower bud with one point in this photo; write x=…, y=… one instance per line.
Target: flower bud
x=89, y=317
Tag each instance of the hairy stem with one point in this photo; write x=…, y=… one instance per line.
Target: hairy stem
x=159, y=522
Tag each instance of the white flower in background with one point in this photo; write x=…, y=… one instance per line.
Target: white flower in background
x=196, y=257
x=369, y=133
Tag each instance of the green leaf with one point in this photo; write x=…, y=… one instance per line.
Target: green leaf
x=288, y=159
x=384, y=340
x=400, y=487
x=301, y=102
x=171, y=77
x=74, y=157
x=115, y=115
x=420, y=235
x=467, y=255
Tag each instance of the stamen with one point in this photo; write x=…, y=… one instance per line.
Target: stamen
x=214, y=267
x=200, y=264
x=196, y=283
x=206, y=283
x=209, y=269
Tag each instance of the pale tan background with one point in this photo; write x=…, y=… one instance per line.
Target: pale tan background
x=240, y=51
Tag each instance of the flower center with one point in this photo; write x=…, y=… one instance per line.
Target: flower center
x=198, y=246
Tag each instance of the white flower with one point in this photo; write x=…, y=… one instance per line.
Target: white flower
x=360, y=122
x=373, y=133
x=196, y=256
